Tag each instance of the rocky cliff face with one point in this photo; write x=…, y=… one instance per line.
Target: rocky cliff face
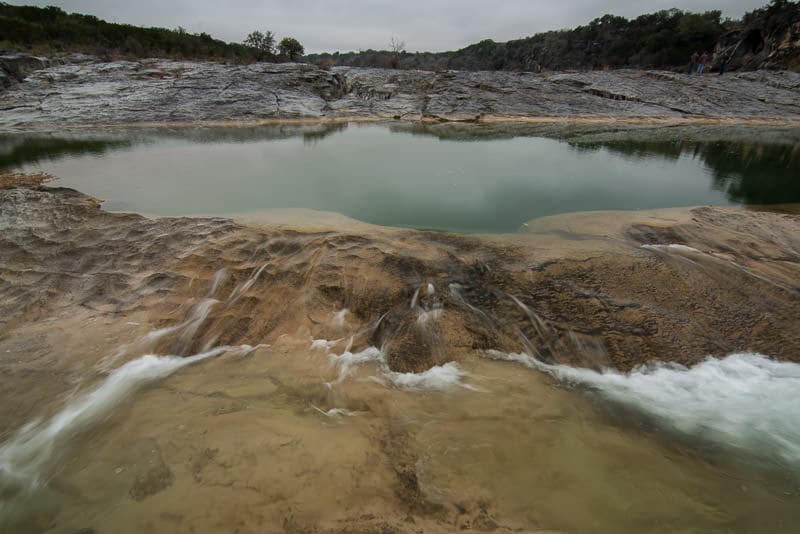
x=768, y=39
x=162, y=91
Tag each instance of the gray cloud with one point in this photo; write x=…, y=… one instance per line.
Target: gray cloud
x=325, y=25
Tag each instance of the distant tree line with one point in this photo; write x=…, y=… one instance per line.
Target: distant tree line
x=665, y=39
x=51, y=30
x=264, y=44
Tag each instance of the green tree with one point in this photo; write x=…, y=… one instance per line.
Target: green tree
x=264, y=44
x=290, y=48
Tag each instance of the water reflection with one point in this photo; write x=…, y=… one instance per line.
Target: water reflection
x=747, y=172
x=464, y=178
x=17, y=151
x=312, y=136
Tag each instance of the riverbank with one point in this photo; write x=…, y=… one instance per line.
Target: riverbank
x=599, y=289
x=89, y=92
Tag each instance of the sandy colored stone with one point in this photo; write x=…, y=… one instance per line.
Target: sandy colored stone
x=595, y=289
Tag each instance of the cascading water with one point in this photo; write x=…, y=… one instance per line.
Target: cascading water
x=744, y=401
x=29, y=456
x=741, y=400
x=25, y=457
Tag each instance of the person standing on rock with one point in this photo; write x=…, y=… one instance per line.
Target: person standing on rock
x=693, y=62
x=703, y=61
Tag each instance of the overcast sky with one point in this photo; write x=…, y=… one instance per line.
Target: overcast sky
x=330, y=25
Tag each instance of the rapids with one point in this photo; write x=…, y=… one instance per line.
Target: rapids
x=744, y=401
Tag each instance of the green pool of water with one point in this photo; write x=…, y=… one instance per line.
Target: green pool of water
x=473, y=180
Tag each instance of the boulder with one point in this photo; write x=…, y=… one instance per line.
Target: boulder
x=15, y=66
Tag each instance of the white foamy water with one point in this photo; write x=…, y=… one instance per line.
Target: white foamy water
x=324, y=344
x=347, y=362
x=439, y=378
x=24, y=459
x=336, y=412
x=674, y=247
x=746, y=401
x=340, y=316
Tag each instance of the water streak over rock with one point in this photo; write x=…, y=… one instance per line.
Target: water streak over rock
x=588, y=295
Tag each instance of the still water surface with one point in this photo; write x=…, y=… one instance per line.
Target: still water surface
x=395, y=178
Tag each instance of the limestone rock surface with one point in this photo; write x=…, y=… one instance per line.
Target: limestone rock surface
x=90, y=92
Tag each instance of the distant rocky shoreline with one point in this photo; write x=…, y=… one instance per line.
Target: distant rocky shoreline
x=78, y=90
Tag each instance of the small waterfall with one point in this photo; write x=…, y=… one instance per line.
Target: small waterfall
x=26, y=457
x=455, y=291
x=538, y=323
x=429, y=307
x=713, y=264
x=219, y=277
x=414, y=299
x=438, y=378
x=745, y=401
x=186, y=331
x=243, y=287
x=340, y=316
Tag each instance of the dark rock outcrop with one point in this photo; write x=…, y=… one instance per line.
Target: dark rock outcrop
x=768, y=39
x=14, y=67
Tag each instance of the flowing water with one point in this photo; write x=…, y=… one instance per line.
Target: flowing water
x=113, y=425
x=275, y=438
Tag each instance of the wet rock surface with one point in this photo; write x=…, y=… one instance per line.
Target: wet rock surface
x=162, y=91
x=269, y=439
x=601, y=290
